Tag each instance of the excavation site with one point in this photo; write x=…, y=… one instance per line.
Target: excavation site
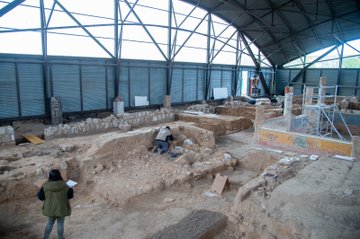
x=180, y=119
x=226, y=175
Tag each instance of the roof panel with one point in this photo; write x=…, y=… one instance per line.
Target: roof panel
x=308, y=23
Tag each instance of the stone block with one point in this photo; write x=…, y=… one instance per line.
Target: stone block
x=200, y=224
x=56, y=110
x=242, y=111
x=167, y=101
x=118, y=108
x=3, y=130
x=187, y=117
x=217, y=128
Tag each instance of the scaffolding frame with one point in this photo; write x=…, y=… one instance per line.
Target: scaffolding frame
x=321, y=115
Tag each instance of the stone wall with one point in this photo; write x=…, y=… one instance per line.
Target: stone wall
x=242, y=111
x=7, y=135
x=122, y=122
x=206, y=108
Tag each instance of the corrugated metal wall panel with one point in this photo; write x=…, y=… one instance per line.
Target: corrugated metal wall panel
x=312, y=77
x=238, y=83
x=31, y=85
x=157, y=85
x=139, y=83
x=8, y=91
x=177, y=85
x=347, y=78
x=298, y=89
x=215, y=81
x=66, y=83
x=226, y=80
x=282, y=80
x=357, y=91
x=190, y=84
x=296, y=84
x=124, y=85
x=200, y=84
x=93, y=87
x=267, y=76
x=331, y=76
x=110, y=86
x=293, y=73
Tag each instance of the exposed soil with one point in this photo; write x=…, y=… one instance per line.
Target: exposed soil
x=126, y=191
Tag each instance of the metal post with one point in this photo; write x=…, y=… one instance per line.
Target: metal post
x=357, y=82
x=18, y=93
x=44, y=56
x=208, y=65
x=106, y=87
x=81, y=89
x=116, y=47
x=316, y=60
x=10, y=6
x=340, y=64
x=169, y=58
x=257, y=65
x=182, y=83
x=129, y=87
x=149, y=83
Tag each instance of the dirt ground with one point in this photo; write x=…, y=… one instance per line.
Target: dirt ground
x=126, y=191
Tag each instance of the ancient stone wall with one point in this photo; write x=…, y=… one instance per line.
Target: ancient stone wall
x=242, y=111
x=7, y=135
x=122, y=122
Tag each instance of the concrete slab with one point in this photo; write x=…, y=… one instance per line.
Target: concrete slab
x=200, y=224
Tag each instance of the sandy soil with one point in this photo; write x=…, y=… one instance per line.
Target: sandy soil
x=126, y=191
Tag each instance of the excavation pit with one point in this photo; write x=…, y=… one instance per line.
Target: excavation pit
x=125, y=189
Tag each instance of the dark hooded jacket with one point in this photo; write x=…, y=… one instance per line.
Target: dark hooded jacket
x=56, y=195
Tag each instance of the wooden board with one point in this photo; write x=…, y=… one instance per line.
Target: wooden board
x=219, y=183
x=33, y=139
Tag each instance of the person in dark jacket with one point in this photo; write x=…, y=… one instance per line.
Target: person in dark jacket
x=56, y=194
x=162, y=139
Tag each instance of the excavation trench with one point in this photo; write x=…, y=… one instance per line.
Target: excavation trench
x=119, y=176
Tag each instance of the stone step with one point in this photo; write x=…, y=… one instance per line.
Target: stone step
x=199, y=224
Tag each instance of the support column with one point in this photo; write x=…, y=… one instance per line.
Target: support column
x=56, y=110
x=308, y=101
x=167, y=101
x=288, y=105
x=118, y=106
x=322, y=91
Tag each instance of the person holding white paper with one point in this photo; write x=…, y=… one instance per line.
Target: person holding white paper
x=56, y=194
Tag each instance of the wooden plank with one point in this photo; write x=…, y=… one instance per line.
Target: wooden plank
x=219, y=183
x=33, y=139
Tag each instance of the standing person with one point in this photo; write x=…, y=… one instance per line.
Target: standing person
x=56, y=194
x=162, y=139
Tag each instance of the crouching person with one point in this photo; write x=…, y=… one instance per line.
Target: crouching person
x=56, y=194
x=162, y=139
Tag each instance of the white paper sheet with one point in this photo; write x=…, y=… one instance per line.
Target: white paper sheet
x=71, y=183
x=141, y=100
x=220, y=93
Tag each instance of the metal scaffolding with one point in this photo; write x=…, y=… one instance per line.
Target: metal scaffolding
x=320, y=110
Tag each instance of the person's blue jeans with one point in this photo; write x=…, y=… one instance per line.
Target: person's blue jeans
x=60, y=227
x=162, y=146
